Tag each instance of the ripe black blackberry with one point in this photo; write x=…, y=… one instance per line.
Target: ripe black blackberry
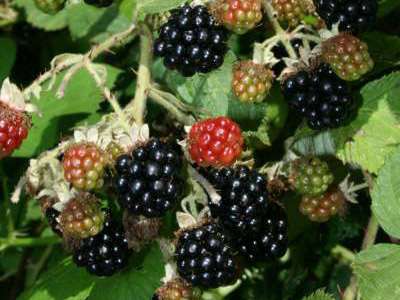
x=353, y=15
x=191, y=41
x=258, y=225
x=51, y=215
x=320, y=96
x=148, y=182
x=205, y=258
x=105, y=253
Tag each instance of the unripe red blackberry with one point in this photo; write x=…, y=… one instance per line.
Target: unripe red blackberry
x=251, y=81
x=14, y=127
x=204, y=257
x=104, y=254
x=322, y=208
x=176, y=289
x=348, y=56
x=50, y=7
x=81, y=217
x=291, y=12
x=84, y=165
x=310, y=176
x=148, y=181
x=239, y=16
x=215, y=142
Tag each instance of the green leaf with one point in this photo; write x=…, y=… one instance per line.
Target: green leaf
x=82, y=98
x=211, y=92
x=378, y=272
x=386, y=195
x=371, y=136
x=387, y=6
x=68, y=282
x=384, y=50
x=144, y=8
x=41, y=20
x=8, y=52
x=319, y=295
x=127, y=8
x=96, y=23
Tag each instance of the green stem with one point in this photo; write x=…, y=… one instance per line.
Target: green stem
x=28, y=242
x=180, y=116
x=138, y=105
x=343, y=252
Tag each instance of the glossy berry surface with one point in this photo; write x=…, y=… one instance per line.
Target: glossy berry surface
x=191, y=41
x=204, y=257
x=239, y=16
x=319, y=96
x=215, y=142
x=14, y=127
x=84, y=165
x=352, y=15
x=52, y=216
x=99, y=3
x=148, y=182
x=348, y=56
x=251, y=82
x=105, y=253
x=82, y=217
x=322, y=208
x=258, y=225
x=50, y=7
x=291, y=12
x=310, y=176
x=176, y=289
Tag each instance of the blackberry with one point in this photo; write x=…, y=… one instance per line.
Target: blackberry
x=353, y=15
x=191, y=41
x=105, y=253
x=258, y=225
x=148, y=181
x=320, y=96
x=204, y=257
x=52, y=215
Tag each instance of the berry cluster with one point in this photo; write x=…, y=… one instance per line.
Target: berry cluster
x=191, y=41
x=258, y=225
x=84, y=165
x=239, y=16
x=14, y=127
x=81, y=217
x=204, y=257
x=319, y=96
x=215, y=142
x=310, y=176
x=99, y=3
x=322, y=208
x=148, y=181
x=291, y=12
x=348, y=56
x=50, y=7
x=105, y=253
x=352, y=15
x=251, y=82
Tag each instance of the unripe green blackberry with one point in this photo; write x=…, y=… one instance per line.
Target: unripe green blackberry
x=82, y=217
x=291, y=12
x=251, y=82
x=50, y=7
x=310, y=176
x=322, y=208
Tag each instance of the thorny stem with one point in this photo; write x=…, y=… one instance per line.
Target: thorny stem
x=351, y=291
x=280, y=32
x=115, y=40
x=144, y=76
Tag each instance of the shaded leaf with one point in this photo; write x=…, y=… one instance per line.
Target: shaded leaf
x=8, y=52
x=156, y=6
x=319, y=295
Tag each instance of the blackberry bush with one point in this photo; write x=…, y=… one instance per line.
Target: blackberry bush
x=319, y=96
x=191, y=41
x=204, y=257
x=105, y=253
x=148, y=181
